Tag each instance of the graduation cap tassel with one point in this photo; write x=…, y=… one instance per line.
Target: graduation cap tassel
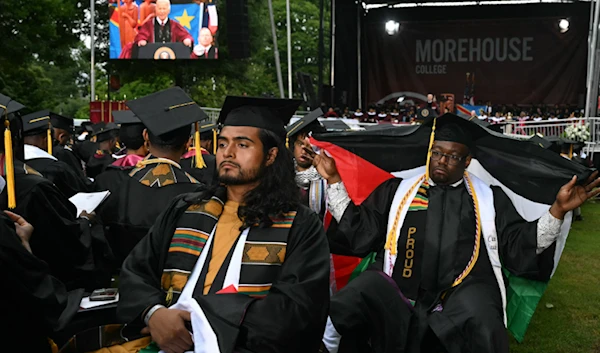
x=215, y=142
x=8, y=162
x=49, y=140
x=199, y=160
x=287, y=141
x=431, y=139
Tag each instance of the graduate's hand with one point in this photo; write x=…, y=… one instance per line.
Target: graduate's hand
x=325, y=166
x=167, y=328
x=571, y=196
x=89, y=216
x=187, y=42
x=23, y=228
x=142, y=43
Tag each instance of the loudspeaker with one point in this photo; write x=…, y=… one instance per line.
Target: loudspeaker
x=238, y=36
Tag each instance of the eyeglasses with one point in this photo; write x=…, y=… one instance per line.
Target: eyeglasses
x=452, y=159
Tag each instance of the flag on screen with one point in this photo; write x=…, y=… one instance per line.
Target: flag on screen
x=114, y=35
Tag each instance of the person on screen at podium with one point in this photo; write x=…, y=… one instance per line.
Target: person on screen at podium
x=205, y=48
x=161, y=30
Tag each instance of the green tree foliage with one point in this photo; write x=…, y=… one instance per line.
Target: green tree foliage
x=37, y=41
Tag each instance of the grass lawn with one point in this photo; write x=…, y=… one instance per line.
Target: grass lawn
x=573, y=324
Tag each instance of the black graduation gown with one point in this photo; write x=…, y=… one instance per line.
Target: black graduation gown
x=84, y=150
x=35, y=303
x=66, y=155
x=67, y=180
x=472, y=317
x=289, y=319
x=208, y=175
x=66, y=243
x=132, y=208
x=98, y=162
x=111, y=178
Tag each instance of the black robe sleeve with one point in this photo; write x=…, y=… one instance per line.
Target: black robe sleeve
x=140, y=280
x=59, y=238
x=363, y=228
x=291, y=318
x=517, y=241
x=36, y=302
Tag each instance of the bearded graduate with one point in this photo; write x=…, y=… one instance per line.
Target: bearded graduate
x=240, y=266
x=441, y=239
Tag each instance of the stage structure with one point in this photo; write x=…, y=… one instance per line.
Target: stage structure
x=511, y=52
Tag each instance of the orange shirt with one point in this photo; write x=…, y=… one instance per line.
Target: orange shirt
x=228, y=229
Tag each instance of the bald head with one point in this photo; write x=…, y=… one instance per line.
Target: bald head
x=162, y=9
x=205, y=38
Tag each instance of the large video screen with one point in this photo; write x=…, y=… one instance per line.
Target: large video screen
x=163, y=29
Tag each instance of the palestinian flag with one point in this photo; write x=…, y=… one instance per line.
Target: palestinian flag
x=530, y=176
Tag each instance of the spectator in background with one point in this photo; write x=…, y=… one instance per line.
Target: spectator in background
x=359, y=115
x=331, y=113
x=346, y=113
x=371, y=114
x=395, y=116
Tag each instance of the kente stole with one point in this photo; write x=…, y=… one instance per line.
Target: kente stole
x=263, y=255
x=410, y=245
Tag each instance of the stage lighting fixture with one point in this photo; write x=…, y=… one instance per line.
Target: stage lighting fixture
x=400, y=99
x=391, y=27
x=563, y=25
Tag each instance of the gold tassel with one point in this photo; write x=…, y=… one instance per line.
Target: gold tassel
x=8, y=162
x=199, y=160
x=287, y=141
x=571, y=152
x=215, y=142
x=431, y=139
x=49, y=140
x=169, y=297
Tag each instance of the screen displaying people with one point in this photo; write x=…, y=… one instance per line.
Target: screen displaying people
x=159, y=29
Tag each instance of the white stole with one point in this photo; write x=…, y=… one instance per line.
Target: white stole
x=204, y=337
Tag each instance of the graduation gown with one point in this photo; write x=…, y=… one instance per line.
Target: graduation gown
x=36, y=303
x=66, y=155
x=290, y=318
x=137, y=198
x=98, y=162
x=66, y=243
x=62, y=175
x=84, y=150
x=208, y=175
x=472, y=316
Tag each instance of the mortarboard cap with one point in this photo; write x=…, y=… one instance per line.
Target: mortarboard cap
x=306, y=121
x=539, y=140
x=271, y=114
x=36, y=123
x=207, y=128
x=8, y=105
x=125, y=117
x=61, y=122
x=453, y=128
x=104, y=132
x=167, y=110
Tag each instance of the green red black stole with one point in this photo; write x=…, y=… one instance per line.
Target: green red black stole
x=263, y=255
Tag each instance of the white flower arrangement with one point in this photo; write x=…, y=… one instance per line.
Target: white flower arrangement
x=578, y=132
